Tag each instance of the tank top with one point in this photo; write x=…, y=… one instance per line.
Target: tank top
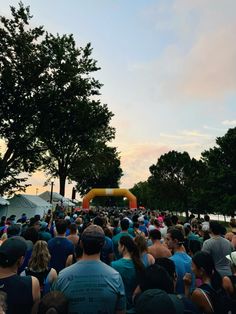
x=19, y=294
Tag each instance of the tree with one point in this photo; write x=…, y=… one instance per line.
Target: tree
x=21, y=66
x=76, y=123
x=142, y=191
x=171, y=180
x=96, y=169
x=221, y=179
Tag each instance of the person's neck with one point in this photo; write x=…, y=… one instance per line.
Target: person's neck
x=61, y=235
x=179, y=249
x=124, y=231
x=93, y=257
x=9, y=271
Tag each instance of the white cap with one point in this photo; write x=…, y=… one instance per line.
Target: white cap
x=232, y=258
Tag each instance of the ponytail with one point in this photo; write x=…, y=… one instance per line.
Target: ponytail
x=132, y=248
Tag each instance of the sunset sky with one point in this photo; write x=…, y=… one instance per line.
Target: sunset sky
x=168, y=69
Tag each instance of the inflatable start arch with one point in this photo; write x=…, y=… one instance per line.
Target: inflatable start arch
x=110, y=192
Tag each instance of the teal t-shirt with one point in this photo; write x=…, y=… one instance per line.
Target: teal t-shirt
x=92, y=287
x=127, y=271
x=116, y=240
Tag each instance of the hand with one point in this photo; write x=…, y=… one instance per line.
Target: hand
x=187, y=279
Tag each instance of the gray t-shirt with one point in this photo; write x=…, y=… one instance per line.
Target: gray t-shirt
x=218, y=248
x=92, y=287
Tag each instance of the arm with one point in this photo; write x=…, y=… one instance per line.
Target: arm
x=227, y=285
x=201, y=301
x=35, y=289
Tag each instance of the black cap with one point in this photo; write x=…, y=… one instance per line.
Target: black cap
x=11, y=250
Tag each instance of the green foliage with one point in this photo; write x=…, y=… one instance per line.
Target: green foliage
x=98, y=168
x=50, y=113
x=221, y=177
x=20, y=78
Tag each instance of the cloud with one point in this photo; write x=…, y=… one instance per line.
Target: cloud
x=229, y=122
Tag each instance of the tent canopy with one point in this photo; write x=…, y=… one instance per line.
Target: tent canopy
x=28, y=204
x=56, y=197
x=3, y=202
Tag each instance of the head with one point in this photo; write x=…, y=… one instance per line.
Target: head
x=169, y=266
x=174, y=238
x=40, y=256
x=12, y=252
x=194, y=247
x=73, y=228
x=207, y=218
x=156, y=277
x=53, y=302
x=14, y=230
x=155, y=234
x=215, y=228
x=124, y=224
x=203, y=267
x=127, y=245
x=99, y=221
x=141, y=244
x=31, y=234
x=153, y=299
x=92, y=240
x=61, y=226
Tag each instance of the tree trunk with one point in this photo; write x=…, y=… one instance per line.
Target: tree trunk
x=62, y=180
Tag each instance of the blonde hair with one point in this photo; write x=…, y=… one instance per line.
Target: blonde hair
x=40, y=257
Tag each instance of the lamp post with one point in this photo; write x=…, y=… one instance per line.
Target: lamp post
x=52, y=183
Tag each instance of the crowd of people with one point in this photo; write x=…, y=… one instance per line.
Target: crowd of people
x=116, y=261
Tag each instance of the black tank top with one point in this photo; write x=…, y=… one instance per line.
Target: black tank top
x=19, y=294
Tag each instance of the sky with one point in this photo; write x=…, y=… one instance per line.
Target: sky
x=168, y=69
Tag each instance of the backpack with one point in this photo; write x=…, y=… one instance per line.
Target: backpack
x=220, y=301
x=42, y=278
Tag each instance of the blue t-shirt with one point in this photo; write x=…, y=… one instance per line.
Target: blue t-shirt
x=60, y=248
x=183, y=265
x=92, y=287
x=127, y=271
x=107, y=249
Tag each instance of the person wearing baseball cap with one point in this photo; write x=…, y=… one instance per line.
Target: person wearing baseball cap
x=229, y=282
x=90, y=285
x=22, y=292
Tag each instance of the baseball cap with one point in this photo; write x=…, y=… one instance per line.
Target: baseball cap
x=232, y=258
x=153, y=299
x=11, y=250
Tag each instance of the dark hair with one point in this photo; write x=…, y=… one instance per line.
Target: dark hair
x=124, y=224
x=155, y=234
x=132, y=248
x=31, y=234
x=194, y=246
x=73, y=228
x=205, y=261
x=176, y=234
x=168, y=264
x=53, y=302
x=168, y=221
x=174, y=219
x=99, y=221
x=156, y=277
x=61, y=226
x=215, y=227
x=206, y=217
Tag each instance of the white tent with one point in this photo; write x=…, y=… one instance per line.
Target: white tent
x=28, y=204
x=3, y=206
x=56, y=198
x=3, y=202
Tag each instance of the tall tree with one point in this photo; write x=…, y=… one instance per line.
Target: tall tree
x=171, y=180
x=99, y=168
x=76, y=122
x=221, y=180
x=21, y=66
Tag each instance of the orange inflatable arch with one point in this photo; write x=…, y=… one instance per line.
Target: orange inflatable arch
x=109, y=192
